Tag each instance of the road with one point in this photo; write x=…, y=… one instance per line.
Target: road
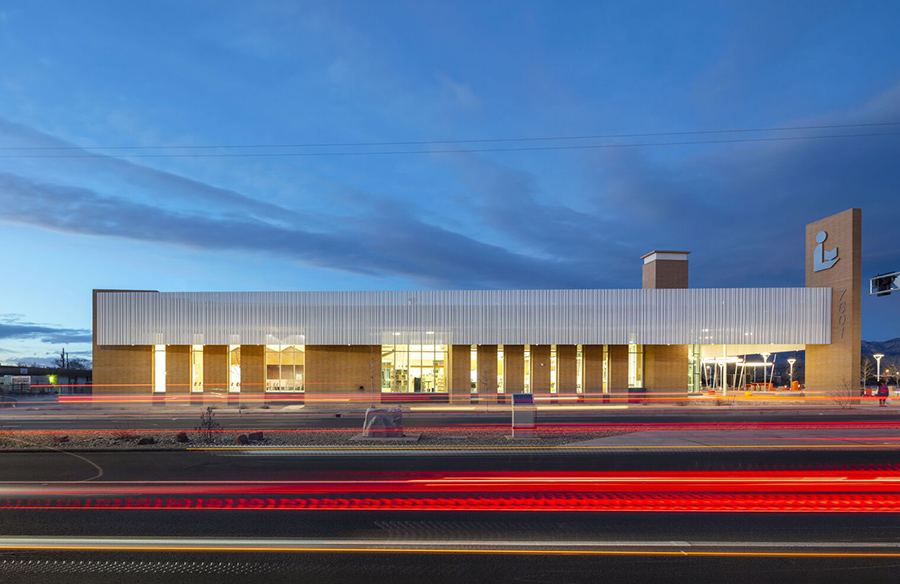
x=177, y=419
x=97, y=540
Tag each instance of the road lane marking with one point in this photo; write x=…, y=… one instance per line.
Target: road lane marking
x=548, y=547
x=67, y=453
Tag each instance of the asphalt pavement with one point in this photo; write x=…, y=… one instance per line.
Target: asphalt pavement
x=94, y=540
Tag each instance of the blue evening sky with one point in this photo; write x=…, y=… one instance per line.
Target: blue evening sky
x=197, y=73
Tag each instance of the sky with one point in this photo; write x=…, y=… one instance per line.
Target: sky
x=97, y=97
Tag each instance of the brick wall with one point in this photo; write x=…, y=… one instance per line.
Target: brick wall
x=339, y=371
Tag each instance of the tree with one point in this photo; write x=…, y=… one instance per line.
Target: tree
x=62, y=361
x=866, y=369
x=891, y=371
x=374, y=370
x=79, y=364
x=28, y=364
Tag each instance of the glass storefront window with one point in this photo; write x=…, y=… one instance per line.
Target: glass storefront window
x=552, y=368
x=285, y=368
x=197, y=368
x=694, y=368
x=527, y=368
x=414, y=368
x=605, y=368
x=473, y=369
x=579, y=369
x=500, y=370
x=387, y=368
x=159, y=369
x=234, y=368
x=635, y=365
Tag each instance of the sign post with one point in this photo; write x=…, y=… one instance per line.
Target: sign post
x=833, y=252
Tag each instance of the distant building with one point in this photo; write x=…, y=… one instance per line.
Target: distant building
x=40, y=380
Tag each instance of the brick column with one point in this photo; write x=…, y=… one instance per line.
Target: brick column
x=566, y=368
x=215, y=369
x=178, y=369
x=253, y=371
x=540, y=368
x=486, y=380
x=337, y=373
x=666, y=370
x=459, y=378
x=618, y=369
x=834, y=260
x=123, y=369
x=592, y=373
x=514, y=363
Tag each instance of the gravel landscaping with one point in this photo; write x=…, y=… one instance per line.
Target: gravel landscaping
x=130, y=440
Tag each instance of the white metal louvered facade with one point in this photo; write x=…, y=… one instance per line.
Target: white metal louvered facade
x=463, y=317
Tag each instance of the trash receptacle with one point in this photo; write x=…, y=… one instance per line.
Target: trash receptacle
x=637, y=395
x=523, y=415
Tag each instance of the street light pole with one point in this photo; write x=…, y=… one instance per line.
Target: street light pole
x=878, y=358
x=791, y=361
x=765, y=357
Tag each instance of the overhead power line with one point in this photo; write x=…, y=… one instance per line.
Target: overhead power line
x=455, y=150
x=471, y=141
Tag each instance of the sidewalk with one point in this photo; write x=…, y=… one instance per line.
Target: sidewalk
x=702, y=410
x=762, y=439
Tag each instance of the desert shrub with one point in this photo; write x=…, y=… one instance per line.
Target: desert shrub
x=208, y=425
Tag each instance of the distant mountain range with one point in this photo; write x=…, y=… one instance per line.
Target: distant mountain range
x=889, y=348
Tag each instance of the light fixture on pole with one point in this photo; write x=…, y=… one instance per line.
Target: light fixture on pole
x=791, y=362
x=765, y=357
x=878, y=358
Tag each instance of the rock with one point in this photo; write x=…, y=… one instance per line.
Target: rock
x=241, y=439
x=256, y=437
x=59, y=439
x=144, y=441
x=182, y=437
x=383, y=423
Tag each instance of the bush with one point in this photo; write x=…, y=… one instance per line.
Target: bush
x=123, y=435
x=208, y=425
x=727, y=401
x=182, y=437
x=845, y=395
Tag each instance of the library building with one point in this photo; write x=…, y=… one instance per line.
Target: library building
x=663, y=340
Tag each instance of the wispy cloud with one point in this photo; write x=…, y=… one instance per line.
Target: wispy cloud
x=750, y=201
x=16, y=329
x=459, y=92
x=139, y=181
x=386, y=242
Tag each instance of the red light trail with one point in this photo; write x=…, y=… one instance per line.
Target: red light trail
x=714, y=491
